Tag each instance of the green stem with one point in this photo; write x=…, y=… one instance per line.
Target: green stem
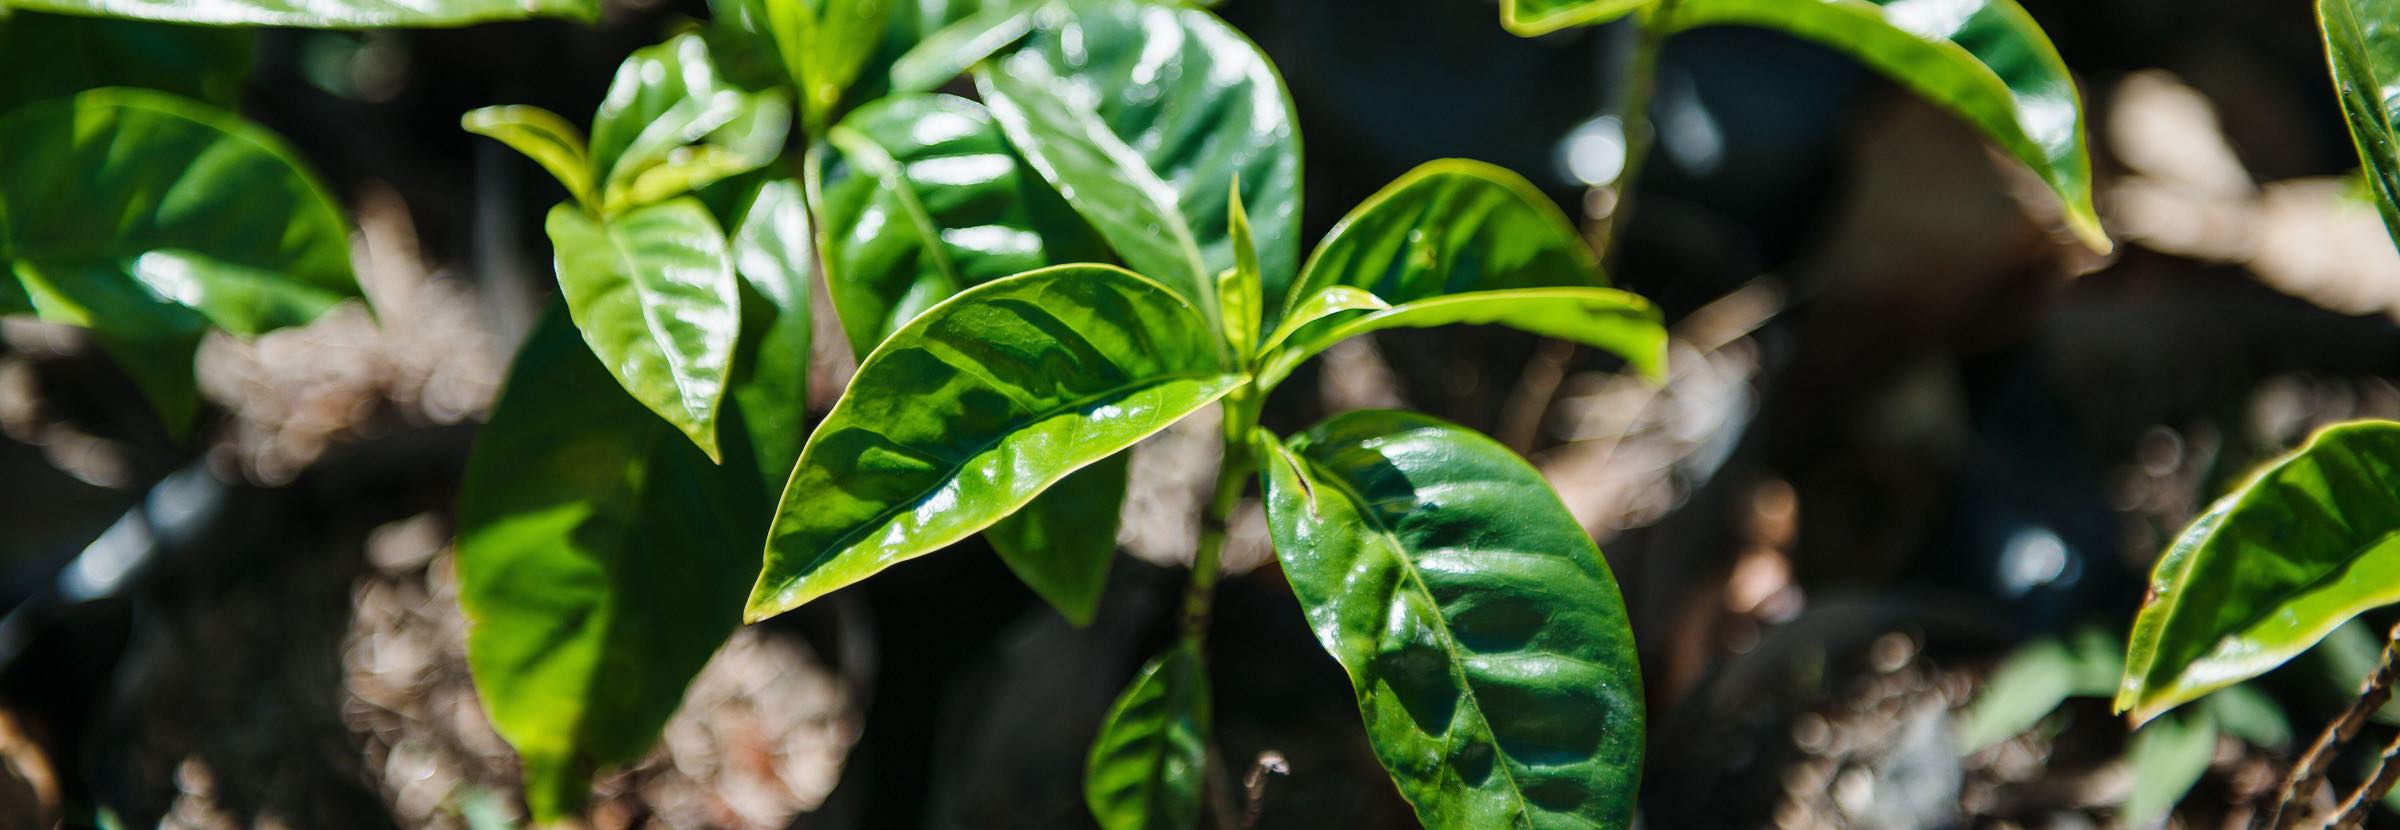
x=1233, y=476
x=1634, y=117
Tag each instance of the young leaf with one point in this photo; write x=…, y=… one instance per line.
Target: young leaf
x=1140, y=113
x=774, y=252
x=1480, y=627
x=321, y=14
x=665, y=100
x=975, y=407
x=653, y=291
x=1062, y=543
x=1984, y=60
x=1238, y=289
x=1541, y=17
x=2364, y=51
x=601, y=560
x=45, y=56
x=955, y=48
x=1323, y=304
x=1620, y=322
x=2168, y=757
x=923, y=198
x=2270, y=569
x=1148, y=766
x=544, y=137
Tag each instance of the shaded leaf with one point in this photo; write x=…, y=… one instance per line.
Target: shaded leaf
x=2168, y=757
x=1062, y=543
x=321, y=14
x=2035, y=680
x=1538, y=17
x=950, y=51
x=974, y=408
x=654, y=293
x=2301, y=548
x=1481, y=629
x=1148, y=766
x=2363, y=47
x=45, y=56
x=774, y=252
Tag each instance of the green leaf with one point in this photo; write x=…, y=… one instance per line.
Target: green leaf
x=2035, y=680
x=2301, y=548
x=2249, y=714
x=1062, y=543
x=2363, y=48
x=774, y=252
x=321, y=14
x=1984, y=60
x=1323, y=304
x=1239, y=291
x=544, y=137
x=1480, y=627
x=1605, y=318
x=2168, y=757
x=1541, y=17
x=955, y=48
x=45, y=56
x=1140, y=113
x=654, y=293
x=601, y=560
x=672, y=122
x=923, y=198
x=974, y=408
x=1148, y=766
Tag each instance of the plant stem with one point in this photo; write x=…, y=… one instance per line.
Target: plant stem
x=1233, y=475
x=2309, y=772
x=2355, y=809
x=1634, y=118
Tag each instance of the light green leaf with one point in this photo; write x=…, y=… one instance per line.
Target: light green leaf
x=601, y=560
x=774, y=252
x=2249, y=714
x=2362, y=44
x=1480, y=627
x=974, y=408
x=2035, y=680
x=825, y=44
x=1541, y=17
x=955, y=48
x=2168, y=757
x=1238, y=289
x=2301, y=548
x=1062, y=543
x=321, y=14
x=1141, y=113
x=1620, y=322
x=923, y=198
x=1148, y=766
x=1984, y=60
x=654, y=293
x=1323, y=304
x=45, y=56
x=672, y=122
x=544, y=137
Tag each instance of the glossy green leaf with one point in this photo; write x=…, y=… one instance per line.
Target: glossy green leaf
x=1149, y=764
x=774, y=252
x=1984, y=60
x=321, y=14
x=654, y=293
x=953, y=49
x=601, y=560
x=1541, y=17
x=1323, y=304
x=2301, y=548
x=1620, y=322
x=974, y=408
x=544, y=137
x=672, y=122
x=2362, y=44
x=1062, y=543
x=2168, y=757
x=45, y=56
x=923, y=198
x=1481, y=629
x=2036, y=679
x=1239, y=290
x=1141, y=113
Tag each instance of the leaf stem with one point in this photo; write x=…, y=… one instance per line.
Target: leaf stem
x=2355, y=809
x=2309, y=772
x=1233, y=476
x=1634, y=118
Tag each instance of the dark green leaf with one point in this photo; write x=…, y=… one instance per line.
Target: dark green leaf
x=1141, y=113
x=46, y=56
x=974, y=408
x=601, y=560
x=774, y=253
x=2168, y=757
x=544, y=137
x=1062, y=543
x=2363, y=46
x=1481, y=629
x=654, y=292
x=1620, y=322
x=922, y=198
x=2270, y=569
x=321, y=14
x=1538, y=17
x=1984, y=60
x=1149, y=764
x=672, y=122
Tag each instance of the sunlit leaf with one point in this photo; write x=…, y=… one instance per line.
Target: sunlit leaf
x=544, y=137
x=1620, y=322
x=977, y=406
x=321, y=14
x=774, y=253
x=1481, y=629
x=1148, y=767
x=1537, y=17
x=2363, y=46
x=672, y=122
x=654, y=293
x=950, y=51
